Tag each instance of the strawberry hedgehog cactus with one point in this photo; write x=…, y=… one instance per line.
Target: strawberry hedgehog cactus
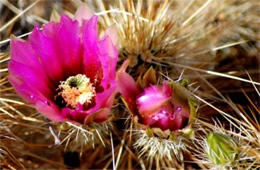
x=66, y=72
x=163, y=114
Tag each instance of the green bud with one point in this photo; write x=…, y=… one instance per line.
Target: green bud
x=221, y=149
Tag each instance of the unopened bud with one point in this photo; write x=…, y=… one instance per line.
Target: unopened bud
x=221, y=149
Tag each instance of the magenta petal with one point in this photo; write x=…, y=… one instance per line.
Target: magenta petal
x=77, y=114
x=22, y=52
x=33, y=77
x=45, y=48
x=151, y=100
x=128, y=88
x=27, y=92
x=82, y=116
x=169, y=117
x=164, y=123
x=178, y=120
x=105, y=99
x=31, y=95
x=69, y=45
x=181, y=116
x=92, y=65
x=102, y=115
x=60, y=60
x=49, y=110
x=90, y=33
x=50, y=29
x=108, y=58
x=162, y=119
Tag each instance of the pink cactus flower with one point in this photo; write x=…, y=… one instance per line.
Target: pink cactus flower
x=65, y=70
x=155, y=106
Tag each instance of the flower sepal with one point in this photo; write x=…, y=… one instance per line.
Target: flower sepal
x=183, y=96
x=152, y=131
x=193, y=103
x=149, y=77
x=187, y=132
x=98, y=116
x=180, y=91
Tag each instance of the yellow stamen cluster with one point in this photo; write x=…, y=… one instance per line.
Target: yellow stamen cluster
x=77, y=89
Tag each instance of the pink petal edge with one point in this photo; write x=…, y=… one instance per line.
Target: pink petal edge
x=127, y=86
x=84, y=12
x=111, y=31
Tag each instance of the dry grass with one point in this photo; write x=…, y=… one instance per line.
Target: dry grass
x=214, y=44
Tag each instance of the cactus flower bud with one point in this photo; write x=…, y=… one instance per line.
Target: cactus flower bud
x=221, y=149
x=165, y=107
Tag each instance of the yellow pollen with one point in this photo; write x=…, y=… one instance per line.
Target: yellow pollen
x=77, y=89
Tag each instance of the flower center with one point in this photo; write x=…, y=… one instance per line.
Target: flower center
x=76, y=89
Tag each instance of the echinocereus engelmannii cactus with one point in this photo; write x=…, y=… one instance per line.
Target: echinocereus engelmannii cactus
x=65, y=70
x=68, y=74
x=163, y=112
